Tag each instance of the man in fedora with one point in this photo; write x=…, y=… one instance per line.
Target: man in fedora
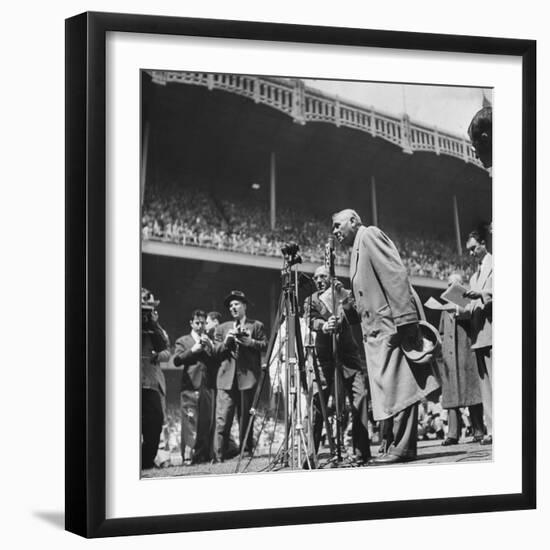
x=239, y=344
x=398, y=347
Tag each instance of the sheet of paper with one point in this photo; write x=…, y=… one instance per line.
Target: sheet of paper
x=432, y=303
x=455, y=295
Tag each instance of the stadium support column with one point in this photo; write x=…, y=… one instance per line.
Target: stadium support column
x=374, y=205
x=457, y=227
x=272, y=191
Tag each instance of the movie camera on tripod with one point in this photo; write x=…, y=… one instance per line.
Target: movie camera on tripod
x=300, y=372
x=290, y=253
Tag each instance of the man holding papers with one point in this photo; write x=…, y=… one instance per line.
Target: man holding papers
x=458, y=370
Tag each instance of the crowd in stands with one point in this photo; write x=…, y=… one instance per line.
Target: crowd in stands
x=191, y=216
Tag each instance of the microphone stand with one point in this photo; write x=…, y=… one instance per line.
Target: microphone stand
x=329, y=260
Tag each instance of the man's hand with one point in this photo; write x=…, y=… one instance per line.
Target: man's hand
x=482, y=295
x=245, y=340
x=206, y=343
x=331, y=325
x=197, y=347
x=230, y=336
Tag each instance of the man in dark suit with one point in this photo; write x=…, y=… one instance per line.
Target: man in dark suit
x=385, y=305
x=239, y=345
x=351, y=367
x=194, y=352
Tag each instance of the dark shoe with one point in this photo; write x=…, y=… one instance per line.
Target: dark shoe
x=389, y=458
x=232, y=453
x=477, y=438
x=360, y=460
x=487, y=440
x=449, y=441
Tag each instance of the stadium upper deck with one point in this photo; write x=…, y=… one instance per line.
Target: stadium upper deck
x=223, y=143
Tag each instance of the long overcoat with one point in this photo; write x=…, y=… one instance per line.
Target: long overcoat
x=384, y=301
x=460, y=386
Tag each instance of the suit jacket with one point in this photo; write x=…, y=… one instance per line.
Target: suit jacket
x=238, y=360
x=481, y=312
x=199, y=368
x=347, y=348
x=385, y=301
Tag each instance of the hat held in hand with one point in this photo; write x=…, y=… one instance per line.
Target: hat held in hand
x=431, y=342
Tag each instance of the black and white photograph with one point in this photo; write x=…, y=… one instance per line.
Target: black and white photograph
x=316, y=274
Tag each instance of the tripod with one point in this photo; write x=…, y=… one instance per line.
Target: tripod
x=297, y=449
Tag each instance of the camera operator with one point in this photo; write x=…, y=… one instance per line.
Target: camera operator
x=154, y=350
x=325, y=324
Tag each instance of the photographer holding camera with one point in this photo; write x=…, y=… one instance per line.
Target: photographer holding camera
x=154, y=350
x=239, y=345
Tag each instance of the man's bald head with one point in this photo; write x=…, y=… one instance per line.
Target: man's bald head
x=345, y=225
x=321, y=278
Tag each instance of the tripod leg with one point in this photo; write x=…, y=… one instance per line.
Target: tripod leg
x=260, y=384
x=323, y=405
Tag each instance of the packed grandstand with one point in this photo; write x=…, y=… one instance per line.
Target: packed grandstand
x=191, y=216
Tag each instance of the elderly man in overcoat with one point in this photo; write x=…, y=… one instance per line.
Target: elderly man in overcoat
x=385, y=304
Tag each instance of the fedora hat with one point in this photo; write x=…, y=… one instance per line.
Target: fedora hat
x=431, y=342
x=235, y=295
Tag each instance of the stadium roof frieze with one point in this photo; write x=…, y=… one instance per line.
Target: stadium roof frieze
x=305, y=104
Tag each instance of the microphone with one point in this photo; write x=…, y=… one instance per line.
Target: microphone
x=329, y=256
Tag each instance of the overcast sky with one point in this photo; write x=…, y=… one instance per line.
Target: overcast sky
x=449, y=108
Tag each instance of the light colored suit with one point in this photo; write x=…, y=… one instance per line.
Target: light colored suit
x=480, y=313
x=385, y=301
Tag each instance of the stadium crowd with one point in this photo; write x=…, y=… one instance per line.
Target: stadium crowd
x=191, y=216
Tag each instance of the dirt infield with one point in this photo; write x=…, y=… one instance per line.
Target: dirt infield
x=429, y=452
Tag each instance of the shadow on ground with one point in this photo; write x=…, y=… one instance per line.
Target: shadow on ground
x=57, y=519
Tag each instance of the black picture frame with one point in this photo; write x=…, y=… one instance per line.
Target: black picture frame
x=86, y=263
